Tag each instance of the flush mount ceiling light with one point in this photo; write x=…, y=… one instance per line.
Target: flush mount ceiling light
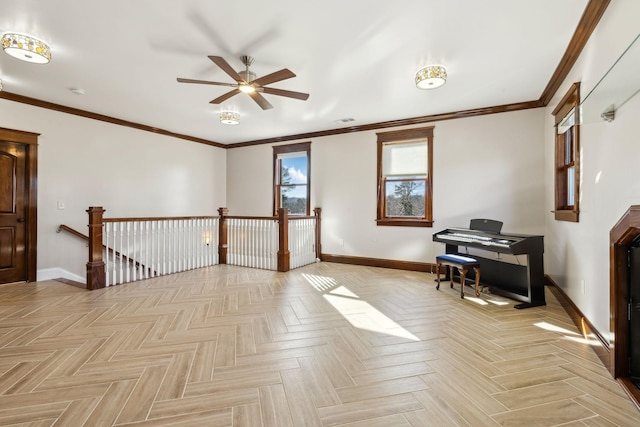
x=431, y=77
x=26, y=48
x=229, y=118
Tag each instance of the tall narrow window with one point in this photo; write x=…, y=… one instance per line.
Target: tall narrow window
x=567, y=159
x=291, y=168
x=405, y=179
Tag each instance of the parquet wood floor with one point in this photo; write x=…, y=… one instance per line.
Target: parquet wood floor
x=323, y=345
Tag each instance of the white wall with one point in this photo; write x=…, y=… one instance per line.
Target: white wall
x=484, y=167
x=131, y=173
x=577, y=254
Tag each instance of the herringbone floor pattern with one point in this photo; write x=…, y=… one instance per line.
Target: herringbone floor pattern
x=323, y=345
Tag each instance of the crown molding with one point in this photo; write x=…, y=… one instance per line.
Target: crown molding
x=588, y=22
x=101, y=117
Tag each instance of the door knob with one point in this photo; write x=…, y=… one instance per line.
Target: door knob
x=20, y=219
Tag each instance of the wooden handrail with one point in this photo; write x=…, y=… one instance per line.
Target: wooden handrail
x=68, y=229
x=294, y=217
x=269, y=218
x=157, y=218
x=274, y=218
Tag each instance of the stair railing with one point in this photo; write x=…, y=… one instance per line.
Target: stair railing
x=123, y=250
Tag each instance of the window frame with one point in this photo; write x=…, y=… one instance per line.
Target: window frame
x=285, y=149
x=424, y=134
x=562, y=165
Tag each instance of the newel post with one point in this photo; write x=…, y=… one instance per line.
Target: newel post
x=96, y=276
x=222, y=236
x=318, y=213
x=283, y=239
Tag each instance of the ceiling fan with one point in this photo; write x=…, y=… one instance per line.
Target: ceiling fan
x=246, y=81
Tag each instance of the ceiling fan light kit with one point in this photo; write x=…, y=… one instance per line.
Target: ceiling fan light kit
x=431, y=77
x=229, y=118
x=26, y=48
x=246, y=88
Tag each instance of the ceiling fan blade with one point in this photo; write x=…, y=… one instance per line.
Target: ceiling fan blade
x=206, y=82
x=224, y=66
x=222, y=98
x=274, y=77
x=260, y=100
x=287, y=93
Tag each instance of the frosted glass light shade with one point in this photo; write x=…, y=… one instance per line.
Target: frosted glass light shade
x=229, y=118
x=26, y=48
x=431, y=77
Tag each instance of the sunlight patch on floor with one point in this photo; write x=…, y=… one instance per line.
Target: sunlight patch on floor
x=588, y=341
x=479, y=301
x=497, y=302
x=359, y=313
x=568, y=335
x=321, y=283
x=554, y=328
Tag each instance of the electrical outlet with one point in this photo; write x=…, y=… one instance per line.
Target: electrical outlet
x=341, y=242
x=60, y=205
x=583, y=287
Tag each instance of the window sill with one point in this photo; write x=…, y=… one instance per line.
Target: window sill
x=567, y=215
x=404, y=222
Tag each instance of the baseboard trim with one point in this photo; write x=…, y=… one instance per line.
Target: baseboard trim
x=57, y=273
x=584, y=325
x=424, y=267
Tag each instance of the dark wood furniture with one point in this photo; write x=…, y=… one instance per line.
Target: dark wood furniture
x=523, y=282
x=464, y=264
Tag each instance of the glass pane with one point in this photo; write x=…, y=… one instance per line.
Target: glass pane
x=293, y=170
x=571, y=186
x=294, y=198
x=568, y=146
x=405, y=198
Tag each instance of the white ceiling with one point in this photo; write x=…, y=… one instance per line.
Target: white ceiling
x=356, y=58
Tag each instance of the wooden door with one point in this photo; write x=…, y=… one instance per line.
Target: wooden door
x=13, y=213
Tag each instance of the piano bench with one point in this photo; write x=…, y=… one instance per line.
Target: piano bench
x=463, y=264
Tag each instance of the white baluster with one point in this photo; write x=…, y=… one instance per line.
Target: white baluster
x=203, y=246
x=250, y=227
x=215, y=230
x=154, y=252
x=128, y=251
x=164, y=247
x=144, y=246
x=260, y=243
x=229, y=241
x=241, y=236
x=107, y=233
x=192, y=240
x=119, y=248
x=170, y=246
x=236, y=241
x=187, y=244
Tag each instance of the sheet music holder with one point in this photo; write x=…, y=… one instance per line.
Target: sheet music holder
x=488, y=225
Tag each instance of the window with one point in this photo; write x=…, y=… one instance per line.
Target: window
x=291, y=168
x=405, y=177
x=567, y=163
